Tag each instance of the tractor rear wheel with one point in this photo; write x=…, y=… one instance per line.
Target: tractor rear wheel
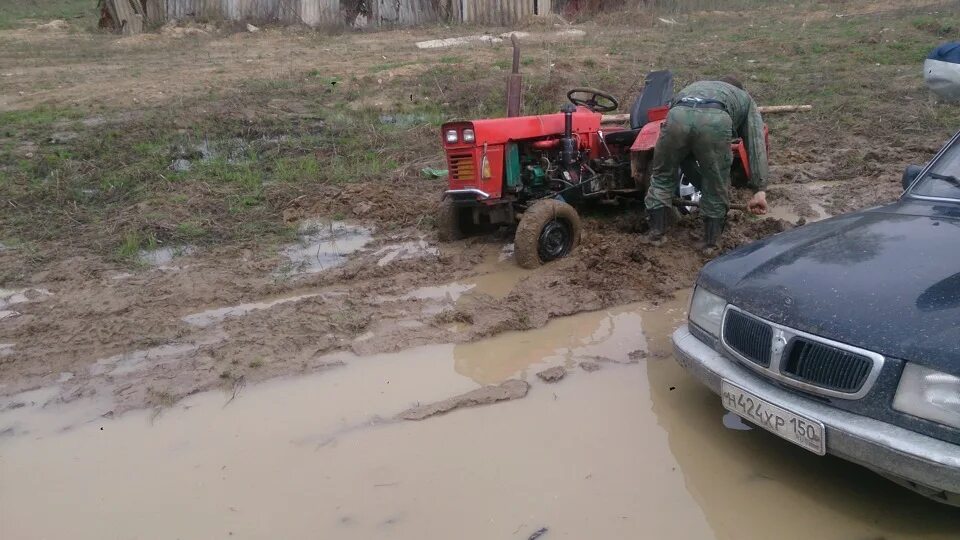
x=548, y=230
x=453, y=222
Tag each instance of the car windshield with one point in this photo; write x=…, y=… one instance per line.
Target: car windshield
x=943, y=179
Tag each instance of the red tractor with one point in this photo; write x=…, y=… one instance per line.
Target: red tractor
x=528, y=171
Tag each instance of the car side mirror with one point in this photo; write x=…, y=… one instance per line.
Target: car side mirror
x=910, y=174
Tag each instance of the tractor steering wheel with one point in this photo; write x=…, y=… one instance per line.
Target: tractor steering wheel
x=598, y=100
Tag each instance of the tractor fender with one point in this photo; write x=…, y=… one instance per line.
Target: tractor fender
x=647, y=138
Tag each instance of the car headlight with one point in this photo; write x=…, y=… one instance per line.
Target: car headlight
x=468, y=135
x=451, y=136
x=929, y=394
x=706, y=311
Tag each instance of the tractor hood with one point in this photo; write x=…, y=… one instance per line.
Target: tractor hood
x=886, y=280
x=501, y=130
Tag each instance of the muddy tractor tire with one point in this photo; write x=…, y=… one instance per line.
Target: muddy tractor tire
x=453, y=222
x=548, y=230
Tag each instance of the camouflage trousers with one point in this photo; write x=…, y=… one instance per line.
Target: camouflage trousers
x=698, y=142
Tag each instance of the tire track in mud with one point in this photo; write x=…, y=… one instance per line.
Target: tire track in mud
x=151, y=337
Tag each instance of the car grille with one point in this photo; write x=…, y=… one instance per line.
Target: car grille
x=749, y=337
x=461, y=167
x=825, y=366
x=798, y=359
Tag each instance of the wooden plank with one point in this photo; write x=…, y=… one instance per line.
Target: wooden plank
x=769, y=109
x=134, y=25
x=773, y=109
x=128, y=20
x=154, y=13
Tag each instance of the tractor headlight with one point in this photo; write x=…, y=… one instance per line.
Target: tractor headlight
x=929, y=394
x=451, y=136
x=706, y=311
x=468, y=135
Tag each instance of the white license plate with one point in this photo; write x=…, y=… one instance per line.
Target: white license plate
x=800, y=430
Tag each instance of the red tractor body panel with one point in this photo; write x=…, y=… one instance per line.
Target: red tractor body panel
x=502, y=130
x=647, y=138
x=478, y=165
x=464, y=164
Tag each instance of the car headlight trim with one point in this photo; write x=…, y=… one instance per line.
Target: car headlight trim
x=929, y=394
x=706, y=311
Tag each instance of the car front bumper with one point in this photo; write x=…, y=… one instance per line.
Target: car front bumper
x=926, y=465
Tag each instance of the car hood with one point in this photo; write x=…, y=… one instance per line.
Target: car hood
x=886, y=280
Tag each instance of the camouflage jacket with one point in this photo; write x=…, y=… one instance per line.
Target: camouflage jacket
x=746, y=122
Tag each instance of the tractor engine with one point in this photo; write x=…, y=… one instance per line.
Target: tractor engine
x=575, y=165
x=519, y=159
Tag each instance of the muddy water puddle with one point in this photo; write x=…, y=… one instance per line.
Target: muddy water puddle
x=163, y=258
x=496, y=276
x=9, y=298
x=323, y=245
x=635, y=449
x=217, y=315
x=815, y=212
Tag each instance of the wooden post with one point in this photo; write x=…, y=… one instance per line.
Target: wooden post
x=126, y=16
x=154, y=12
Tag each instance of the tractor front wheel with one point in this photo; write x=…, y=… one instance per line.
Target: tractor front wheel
x=454, y=222
x=548, y=230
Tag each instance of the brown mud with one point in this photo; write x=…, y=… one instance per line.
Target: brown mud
x=485, y=395
x=237, y=313
x=152, y=335
x=637, y=449
x=226, y=366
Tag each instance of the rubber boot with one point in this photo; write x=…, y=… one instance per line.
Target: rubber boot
x=712, y=229
x=657, y=219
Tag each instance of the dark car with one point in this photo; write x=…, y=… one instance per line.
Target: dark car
x=843, y=336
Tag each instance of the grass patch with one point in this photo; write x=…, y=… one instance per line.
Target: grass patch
x=13, y=121
x=121, y=189
x=131, y=244
x=390, y=65
x=14, y=12
x=114, y=189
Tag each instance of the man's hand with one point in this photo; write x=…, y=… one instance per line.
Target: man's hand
x=758, y=203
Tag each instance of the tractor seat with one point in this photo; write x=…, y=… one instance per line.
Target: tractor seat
x=621, y=138
x=657, y=92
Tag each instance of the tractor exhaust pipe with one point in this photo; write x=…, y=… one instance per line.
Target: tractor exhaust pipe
x=514, y=82
x=568, y=145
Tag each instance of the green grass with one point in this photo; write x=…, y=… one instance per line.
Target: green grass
x=11, y=121
x=189, y=230
x=13, y=12
x=112, y=188
x=296, y=169
x=391, y=65
x=937, y=26
x=133, y=241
